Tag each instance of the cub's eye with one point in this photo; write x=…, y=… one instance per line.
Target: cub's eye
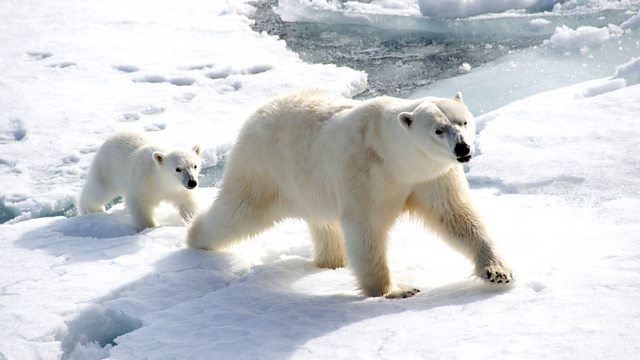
x=195, y=166
x=439, y=132
x=465, y=123
x=178, y=170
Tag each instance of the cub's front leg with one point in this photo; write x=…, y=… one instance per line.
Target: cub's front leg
x=445, y=205
x=188, y=208
x=141, y=212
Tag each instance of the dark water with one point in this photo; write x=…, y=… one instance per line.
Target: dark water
x=398, y=63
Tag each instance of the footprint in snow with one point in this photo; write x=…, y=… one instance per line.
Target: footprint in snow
x=218, y=74
x=155, y=127
x=130, y=117
x=258, y=69
x=152, y=110
x=200, y=67
x=159, y=79
x=146, y=110
x=71, y=159
x=126, y=68
x=226, y=72
x=181, y=81
x=37, y=55
x=537, y=286
x=63, y=65
x=13, y=131
x=12, y=168
x=184, y=98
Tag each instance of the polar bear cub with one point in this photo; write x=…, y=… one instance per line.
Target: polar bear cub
x=350, y=168
x=128, y=164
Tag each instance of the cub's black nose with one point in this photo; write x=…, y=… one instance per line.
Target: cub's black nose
x=191, y=184
x=462, y=149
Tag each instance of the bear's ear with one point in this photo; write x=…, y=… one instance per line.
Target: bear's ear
x=158, y=157
x=406, y=119
x=196, y=149
x=458, y=96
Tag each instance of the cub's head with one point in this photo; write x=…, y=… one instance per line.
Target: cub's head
x=182, y=167
x=443, y=129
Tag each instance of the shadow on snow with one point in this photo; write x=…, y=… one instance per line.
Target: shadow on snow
x=200, y=304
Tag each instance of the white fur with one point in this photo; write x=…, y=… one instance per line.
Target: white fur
x=127, y=164
x=350, y=168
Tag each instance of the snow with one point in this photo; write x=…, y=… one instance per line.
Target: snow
x=132, y=68
x=465, y=8
x=555, y=176
x=566, y=39
x=538, y=24
x=632, y=23
x=630, y=71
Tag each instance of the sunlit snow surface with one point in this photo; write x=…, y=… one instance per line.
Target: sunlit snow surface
x=555, y=175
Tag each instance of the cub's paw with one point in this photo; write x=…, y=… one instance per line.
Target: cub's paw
x=402, y=293
x=497, y=274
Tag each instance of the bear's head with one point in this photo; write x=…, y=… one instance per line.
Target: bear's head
x=442, y=128
x=182, y=167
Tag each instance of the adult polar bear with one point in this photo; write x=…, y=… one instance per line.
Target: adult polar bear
x=350, y=168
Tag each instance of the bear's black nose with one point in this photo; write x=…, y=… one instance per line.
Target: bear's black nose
x=191, y=184
x=462, y=149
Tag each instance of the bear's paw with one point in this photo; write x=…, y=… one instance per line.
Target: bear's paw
x=402, y=293
x=497, y=274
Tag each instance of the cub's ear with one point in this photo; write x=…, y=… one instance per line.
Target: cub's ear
x=196, y=149
x=406, y=119
x=458, y=96
x=158, y=157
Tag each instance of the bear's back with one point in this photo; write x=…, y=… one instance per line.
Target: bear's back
x=288, y=125
x=116, y=157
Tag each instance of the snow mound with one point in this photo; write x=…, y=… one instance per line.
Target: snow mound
x=538, y=24
x=632, y=23
x=630, y=71
x=600, y=87
x=567, y=39
x=627, y=74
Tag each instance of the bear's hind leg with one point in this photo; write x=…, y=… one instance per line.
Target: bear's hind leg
x=233, y=216
x=328, y=246
x=94, y=195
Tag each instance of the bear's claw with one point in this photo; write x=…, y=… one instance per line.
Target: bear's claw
x=499, y=277
x=495, y=273
x=402, y=294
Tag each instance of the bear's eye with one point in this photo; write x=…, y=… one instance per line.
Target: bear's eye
x=439, y=132
x=465, y=123
x=195, y=166
x=178, y=170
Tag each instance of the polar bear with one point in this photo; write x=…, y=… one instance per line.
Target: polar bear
x=350, y=168
x=128, y=164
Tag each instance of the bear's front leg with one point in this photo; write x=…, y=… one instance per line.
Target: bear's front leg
x=367, y=254
x=141, y=213
x=366, y=247
x=188, y=208
x=445, y=205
